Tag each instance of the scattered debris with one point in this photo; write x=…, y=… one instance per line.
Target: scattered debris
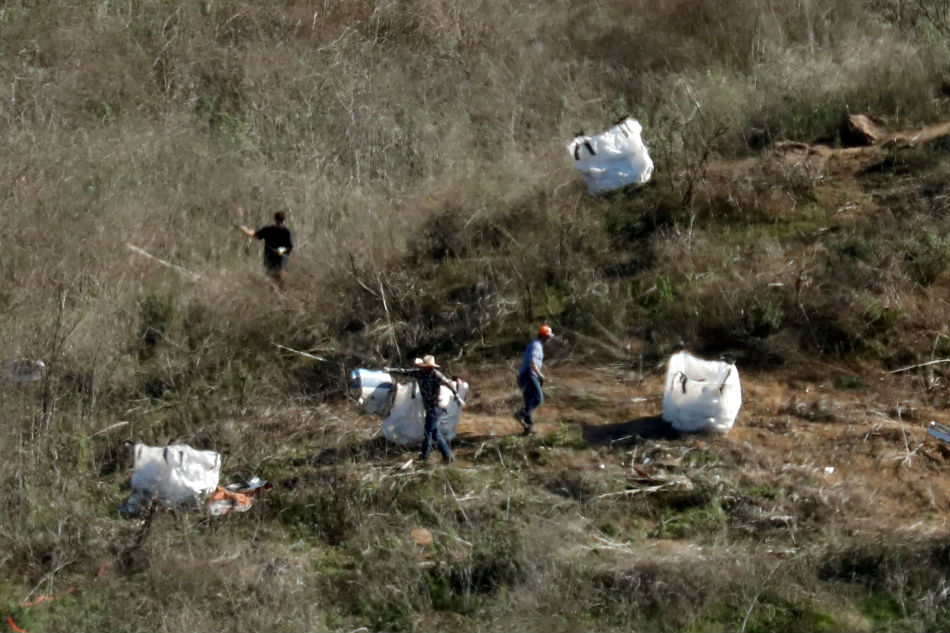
x=612, y=159
x=701, y=395
x=23, y=370
x=939, y=431
x=239, y=499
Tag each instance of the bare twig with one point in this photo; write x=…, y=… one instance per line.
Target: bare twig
x=357, y=277
x=755, y=599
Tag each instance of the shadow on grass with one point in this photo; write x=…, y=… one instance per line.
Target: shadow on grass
x=650, y=428
x=375, y=449
x=380, y=450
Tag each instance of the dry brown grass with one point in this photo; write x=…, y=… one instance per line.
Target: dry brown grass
x=418, y=150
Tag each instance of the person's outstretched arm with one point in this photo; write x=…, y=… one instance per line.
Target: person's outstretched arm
x=402, y=372
x=448, y=383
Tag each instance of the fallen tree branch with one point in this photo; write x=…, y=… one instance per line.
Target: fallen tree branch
x=184, y=271
x=933, y=362
x=297, y=351
x=111, y=427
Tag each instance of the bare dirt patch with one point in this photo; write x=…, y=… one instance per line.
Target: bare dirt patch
x=885, y=471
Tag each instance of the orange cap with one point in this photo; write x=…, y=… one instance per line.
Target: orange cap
x=545, y=330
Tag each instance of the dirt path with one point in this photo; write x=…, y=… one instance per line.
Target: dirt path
x=869, y=446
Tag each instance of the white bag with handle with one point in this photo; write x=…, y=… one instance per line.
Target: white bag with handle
x=172, y=475
x=701, y=395
x=373, y=390
x=612, y=159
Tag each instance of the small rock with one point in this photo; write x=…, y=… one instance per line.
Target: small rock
x=421, y=537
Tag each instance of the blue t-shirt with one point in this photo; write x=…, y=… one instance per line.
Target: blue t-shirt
x=534, y=353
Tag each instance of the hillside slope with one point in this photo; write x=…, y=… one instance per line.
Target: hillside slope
x=418, y=150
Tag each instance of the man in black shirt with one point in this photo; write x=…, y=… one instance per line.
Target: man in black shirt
x=278, y=243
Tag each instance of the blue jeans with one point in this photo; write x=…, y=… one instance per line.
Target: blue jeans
x=432, y=433
x=531, y=390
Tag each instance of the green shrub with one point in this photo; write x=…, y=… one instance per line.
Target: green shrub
x=157, y=314
x=926, y=256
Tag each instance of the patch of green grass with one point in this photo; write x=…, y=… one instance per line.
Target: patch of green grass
x=765, y=491
x=883, y=609
x=926, y=256
x=704, y=520
x=775, y=615
x=769, y=614
x=92, y=610
x=849, y=381
x=565, y=436
x=699, y=458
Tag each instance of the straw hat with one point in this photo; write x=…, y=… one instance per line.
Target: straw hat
x=426, y=361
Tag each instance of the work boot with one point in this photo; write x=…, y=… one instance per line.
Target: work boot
x=522, y=420
x=448, y=458
x=528, y=428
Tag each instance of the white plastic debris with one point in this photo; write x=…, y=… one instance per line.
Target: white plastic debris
x=236, y=498
x=172, y=475
x=939, y=431
x=23, y=370
x=701, y=395
x=406, y=422
x=612, y=159
x=373, y=390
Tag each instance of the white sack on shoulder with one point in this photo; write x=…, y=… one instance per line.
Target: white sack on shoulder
x=406, y=422
x=613, y=159
x=373, y=390
x=701, y=395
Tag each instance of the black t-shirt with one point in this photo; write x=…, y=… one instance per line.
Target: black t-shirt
x=275, y=237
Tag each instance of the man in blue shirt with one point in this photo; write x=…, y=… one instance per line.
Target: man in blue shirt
x=530, y=378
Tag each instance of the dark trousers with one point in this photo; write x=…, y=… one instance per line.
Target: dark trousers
x=432, y=434
x=531, y=390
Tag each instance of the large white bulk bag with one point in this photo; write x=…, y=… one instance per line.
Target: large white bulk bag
x=701, y=395
x=406, y=422
x=373, y=390
x=612, y=159
x=172, y=474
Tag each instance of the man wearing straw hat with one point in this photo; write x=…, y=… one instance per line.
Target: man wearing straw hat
x=530, y=378
x=430, y=380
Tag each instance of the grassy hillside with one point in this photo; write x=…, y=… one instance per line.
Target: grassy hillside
x=419, y=151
